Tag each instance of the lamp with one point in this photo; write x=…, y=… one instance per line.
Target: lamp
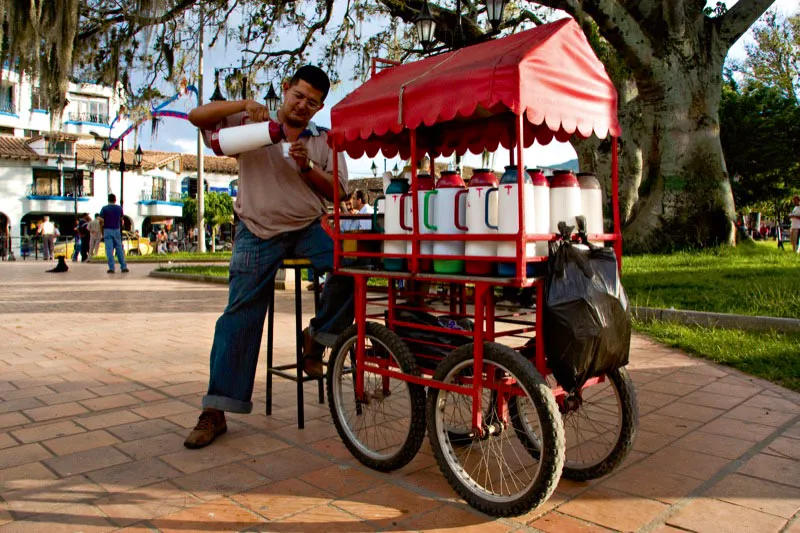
x=272, y=99
x=426, y=26
x=91, y=166
x=105, y=151
x=494, y=10
x=137, y=156
x=395, y=170
x=217, y=96
x=60, y=164
x=374, y=170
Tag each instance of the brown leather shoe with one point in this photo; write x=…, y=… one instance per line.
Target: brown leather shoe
x=312, y=356
x=210, y=425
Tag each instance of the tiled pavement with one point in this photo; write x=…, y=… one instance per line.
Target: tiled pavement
x=100, y=377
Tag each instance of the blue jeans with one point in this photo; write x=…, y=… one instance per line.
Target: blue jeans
x=77, y=250
x=113, y=240
x=237, y=337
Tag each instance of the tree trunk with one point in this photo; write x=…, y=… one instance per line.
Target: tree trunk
x=674, y=187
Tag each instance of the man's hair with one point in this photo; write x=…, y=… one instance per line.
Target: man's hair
x=346, y=197
x=361, y=196
x=795, y=198
x=112, y=198
x=315, y=77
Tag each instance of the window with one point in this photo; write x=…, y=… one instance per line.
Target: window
x=31, y=133
x=63, y=147
x=86, y=109
x=46, y=182
x=159, y=189
x=4, y=130
x=7, y=99
x=37, y=100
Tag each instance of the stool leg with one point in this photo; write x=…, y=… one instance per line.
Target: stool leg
x=270, y=331
x=316, y=309
x=298, y=313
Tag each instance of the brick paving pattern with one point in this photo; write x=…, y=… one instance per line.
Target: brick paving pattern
x=101, y=376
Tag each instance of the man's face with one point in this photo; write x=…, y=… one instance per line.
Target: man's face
x=301, y=101
x=357, y=203
x=349, y=205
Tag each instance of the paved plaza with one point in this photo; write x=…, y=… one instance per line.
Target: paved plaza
x=101, y=376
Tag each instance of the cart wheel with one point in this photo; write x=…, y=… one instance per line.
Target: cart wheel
x=384, y=430
x=599, y=433
x=493, y=472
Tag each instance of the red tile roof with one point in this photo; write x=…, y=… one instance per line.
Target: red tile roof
x=16, y=148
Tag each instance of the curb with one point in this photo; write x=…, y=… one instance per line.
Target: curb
x=689, y=318
x=719, y=320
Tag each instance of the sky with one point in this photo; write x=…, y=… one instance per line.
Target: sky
x=179, y=136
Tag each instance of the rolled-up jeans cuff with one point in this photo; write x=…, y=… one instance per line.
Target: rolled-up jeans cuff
x=223, y=403
x=322, y=337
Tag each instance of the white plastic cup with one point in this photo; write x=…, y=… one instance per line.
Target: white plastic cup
x=285, y=147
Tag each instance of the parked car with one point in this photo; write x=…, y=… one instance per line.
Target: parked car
x=130, y=243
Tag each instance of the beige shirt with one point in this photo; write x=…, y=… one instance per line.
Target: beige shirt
x=273, y=198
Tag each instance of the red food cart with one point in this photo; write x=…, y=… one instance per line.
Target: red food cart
x=501, y=428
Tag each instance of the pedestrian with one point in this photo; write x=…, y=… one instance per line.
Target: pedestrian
x=794, y=232
x=272, y=227
x=95, y=235
x=362, y=207
x=76, y=249
x=47, y=230
x=111, y=215
x=83, y=229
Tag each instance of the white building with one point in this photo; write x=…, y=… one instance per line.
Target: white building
x=31, y=185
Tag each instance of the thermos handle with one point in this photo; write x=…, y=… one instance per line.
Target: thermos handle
x=375, y=227
x=425, y=211
x=486, y=213
x=456, y=211
x=403, y=212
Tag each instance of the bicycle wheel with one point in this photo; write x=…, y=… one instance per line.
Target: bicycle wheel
x=494, y=473
x=385, y=429
x=600, y=431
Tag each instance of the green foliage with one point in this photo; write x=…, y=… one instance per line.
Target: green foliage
x=218, y=208
x=760, y=135
x=754, y=279
x=771, y=356
x=189, y=212
x=773, y=60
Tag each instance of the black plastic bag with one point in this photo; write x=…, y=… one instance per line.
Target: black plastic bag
x=587, y=319
x=410, y=335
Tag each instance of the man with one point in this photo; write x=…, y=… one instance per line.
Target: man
x=279, y=205
x=83, y=230
x=794, y=232
x=111, y=218
x=346, y=208
x=76, y=250
x=361, y=205
x=95, y=235
x=48, y=232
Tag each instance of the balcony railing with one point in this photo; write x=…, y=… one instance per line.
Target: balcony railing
x=53, y=192
x=7, y=107
x=161, y=196
x=89, y=117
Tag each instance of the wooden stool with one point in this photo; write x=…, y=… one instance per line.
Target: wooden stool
x=292, y=371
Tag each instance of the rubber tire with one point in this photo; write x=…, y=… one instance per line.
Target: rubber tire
x=532, y=381
x=405, y=359
x=622, y=382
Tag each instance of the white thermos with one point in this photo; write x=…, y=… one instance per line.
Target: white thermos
x=239, y=139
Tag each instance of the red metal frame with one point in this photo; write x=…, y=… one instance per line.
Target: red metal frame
x=484, y=314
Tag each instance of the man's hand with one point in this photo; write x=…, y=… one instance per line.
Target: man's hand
x=256, y=112
x=299, y=153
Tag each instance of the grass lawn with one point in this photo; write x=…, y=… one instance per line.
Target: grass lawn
x=177, y=256
x=751, y=279
x=771, y=356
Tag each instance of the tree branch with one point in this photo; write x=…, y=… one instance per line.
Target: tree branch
x=617, y=25
x=739, y=18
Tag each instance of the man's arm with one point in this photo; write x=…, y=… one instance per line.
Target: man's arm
x=206, y=117
x=315, y=177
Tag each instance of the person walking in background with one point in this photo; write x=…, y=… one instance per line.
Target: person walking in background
x=47, y=230
x=111, y=215
x=76, y=249
x=794, y=232
x=95, y=235
x=86, y=236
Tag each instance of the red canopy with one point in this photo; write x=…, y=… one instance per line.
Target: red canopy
x=466, y=99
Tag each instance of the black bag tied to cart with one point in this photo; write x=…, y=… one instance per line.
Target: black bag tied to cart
x=587, y=318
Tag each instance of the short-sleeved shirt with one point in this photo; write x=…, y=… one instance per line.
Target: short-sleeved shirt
x=796, y=221
x=273, y=198
x=111, y=215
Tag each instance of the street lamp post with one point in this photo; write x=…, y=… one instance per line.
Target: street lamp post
x=272, y=99
x=60, y=165
x=374, y=170
x=121, y=171
x=75, y=184
x=425, y=25
x=105, y=153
